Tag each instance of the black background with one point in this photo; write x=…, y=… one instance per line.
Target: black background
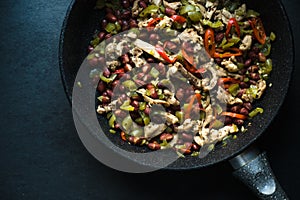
x=42, y=156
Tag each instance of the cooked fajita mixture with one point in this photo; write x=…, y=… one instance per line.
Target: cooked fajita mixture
x=179, y=74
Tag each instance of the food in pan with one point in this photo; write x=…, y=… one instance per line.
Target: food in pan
x=183, y=75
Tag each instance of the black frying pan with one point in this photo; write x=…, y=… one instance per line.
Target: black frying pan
x=82, y=20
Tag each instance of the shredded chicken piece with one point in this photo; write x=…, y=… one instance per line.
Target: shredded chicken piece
x=170, y=96
x=165, y=22
x=156, y=2
x=142, y=91
x=171, y=118
x=226, y=97
x=229, y=65
x=207, y=136
x=136, y=9
x=113, y=64
x=136, y=53
x=152, y=130
x=188, y=125
x=246, y=43
x=261, y=87
x=210, y=10
x=193, y=79
x=240, y=12
x=190, y=34
x=209, y=115
x=226, y=15
x=172, y=5
x=107, y=108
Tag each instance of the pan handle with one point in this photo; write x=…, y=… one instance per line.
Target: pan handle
x=253, y=169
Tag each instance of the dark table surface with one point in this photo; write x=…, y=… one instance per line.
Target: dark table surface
x=42, y=157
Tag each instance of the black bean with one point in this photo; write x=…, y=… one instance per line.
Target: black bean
x=252, y=82
x=147, y=77
x=253, y=68
x=142, y=4
x=228, y=120
x=139, y=82
x=109, y=93
x=219, y=37
x=235, y=109
x=126, y=14
x=247, y=105
x=195, y=147
x=135, y=103
x=118, y=13
x=111, y=17
x=147, y=110
x=115, y=83
x=243, y=85
x=154, y=37
x=125, y=58
x=108, y=10
x=187, y=137
x=125, y=3
x=133, y=23
x=101, y=35
x=180, y=94
x=254, y=76
x=108, y=36
x=121, y=88
x=104, y=23
x=105, y=99
x=120, y=113
x=166, y=136
x=125, y=27
x=244, y=111
x=170, y=11
x=101, y=86
x=90, y=48
x=127, y=67
x=241, y=92
x=247, y=62
x=106, y=72
x=140, y=75
x=150, y=60
x=146, y=68
x=161, y=68
x=170, y=45
x=261, y=57
x=238, y=122
x=252, y=55
x=154, y=146
x=255, y=49
x=218, y=60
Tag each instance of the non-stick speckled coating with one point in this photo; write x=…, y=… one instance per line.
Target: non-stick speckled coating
x=82, y=20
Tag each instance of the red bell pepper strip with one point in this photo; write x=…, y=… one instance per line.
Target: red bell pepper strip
x=198, y=96
x=233, y=52
x=178, y=18
x=209, y=42
x=154, y=21
x=228, y=80
x=189, y=107
x=232, y=22
x=164, y=55
x=189, y=59
x=119, y=71
x=258, y=30
x=123, y=136
x=234, y=115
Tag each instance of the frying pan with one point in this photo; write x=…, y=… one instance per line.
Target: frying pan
x=250, y=164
